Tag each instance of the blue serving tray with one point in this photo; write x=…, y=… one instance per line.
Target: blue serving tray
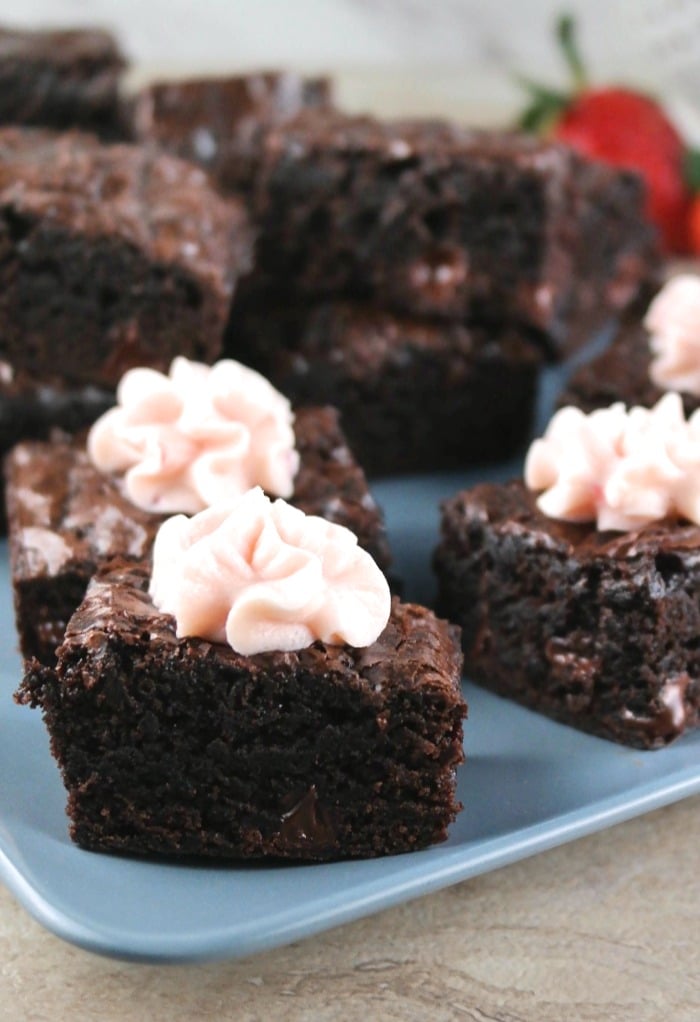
x=528, y=784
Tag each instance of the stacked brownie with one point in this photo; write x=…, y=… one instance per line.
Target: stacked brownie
x=111, y=256
x=215, y=122
x=415, y=267
x=61, y=79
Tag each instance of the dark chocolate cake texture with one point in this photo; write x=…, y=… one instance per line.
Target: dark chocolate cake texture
x=648, y=356
x=171, y=744
x=67, y=515
x=67, y=78
x=584, y=603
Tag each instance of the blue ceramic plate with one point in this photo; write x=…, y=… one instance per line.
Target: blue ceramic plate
x=528, y=785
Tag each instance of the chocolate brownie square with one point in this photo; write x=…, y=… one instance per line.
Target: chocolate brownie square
x=60, y=79
x=428, y=218
x=414, y=394
x=620, y=373
x=595, y=629
x=215, y=121
x=174, y=746
x=66, y=518
x=110, y=257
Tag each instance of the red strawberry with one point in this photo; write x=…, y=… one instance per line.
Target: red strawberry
x=624, y=128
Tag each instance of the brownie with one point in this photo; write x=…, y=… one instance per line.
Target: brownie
x=35, y=412
x=183, y=747
x=620, y=373
x=428, y=218
x=111, y=256
x=598, y=630
x=60, y=79
x=66, y=518
x=215, y=121
x=414, y=395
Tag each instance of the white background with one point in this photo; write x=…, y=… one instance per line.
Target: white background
x=446, y=53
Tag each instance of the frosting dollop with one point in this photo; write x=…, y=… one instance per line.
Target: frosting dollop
x=622, y=469
x=673, y=322
x=263, y=576
x=199, y=435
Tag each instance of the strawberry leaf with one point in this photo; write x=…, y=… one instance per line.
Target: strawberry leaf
x=546, y=105
x=566, y=36
x=691, y=169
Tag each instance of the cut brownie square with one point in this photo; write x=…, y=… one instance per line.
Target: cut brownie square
x=431, y=219
x=110, y=257
x=215, y=121
x=60, y=79
x=414, y=395
x=620, y=373
x=65, y=518
x=595, y=629
x=184, y=747
x=34, y=412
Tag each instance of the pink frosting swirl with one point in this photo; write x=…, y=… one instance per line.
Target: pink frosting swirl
x=264, y=576
x=673, y=322
x=621, y=469
x=198, y=436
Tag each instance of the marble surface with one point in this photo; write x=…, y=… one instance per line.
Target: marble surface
x=604, y=929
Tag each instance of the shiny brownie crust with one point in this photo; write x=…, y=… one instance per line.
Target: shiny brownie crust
x=111, y=256
x=65, y=519
x=598, y=630
x=182, y=747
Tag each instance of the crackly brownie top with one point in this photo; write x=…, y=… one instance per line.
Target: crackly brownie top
x=203, y=113
x=510, y=509
x=155, y=202
x=65, y=514
x=435, y=141
x=415, y=650
x=64, y=48
x=620, y=373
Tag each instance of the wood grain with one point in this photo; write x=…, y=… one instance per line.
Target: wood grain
x=604, y=929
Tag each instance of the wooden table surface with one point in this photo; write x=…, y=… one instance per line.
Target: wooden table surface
x=602, y=930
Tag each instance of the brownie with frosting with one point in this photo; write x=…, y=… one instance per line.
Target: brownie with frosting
x=65, y=518
x=216, y=121
x=414, y=394
x=648, y=356
x=61, y=78
x=595, y=629
x=182, y=746
x=431, y=219
x=584, y=602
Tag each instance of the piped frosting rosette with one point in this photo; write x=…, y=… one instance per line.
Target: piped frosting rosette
x=673, y=322
x=262, y=576
x=198, y=436
x=621, y=469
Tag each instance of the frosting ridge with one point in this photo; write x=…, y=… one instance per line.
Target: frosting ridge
x=622, y=469
x=264, y=576
x=197, y=436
